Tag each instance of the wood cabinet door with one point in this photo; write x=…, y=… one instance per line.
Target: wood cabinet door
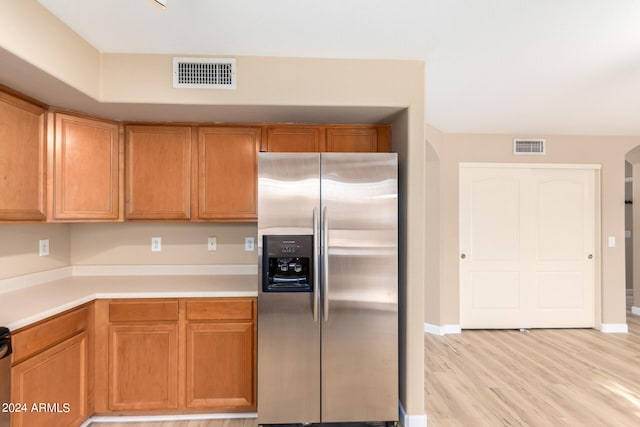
x=220, y=365
x=158, y=172
x=143, y=366
x=23, y=157
x=87, y=169
x=228, y=172
x=53, y=386
x=294, y=139
x=352, y=140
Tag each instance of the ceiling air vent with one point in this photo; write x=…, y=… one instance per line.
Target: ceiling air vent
x=528, y=146
x=204, y=73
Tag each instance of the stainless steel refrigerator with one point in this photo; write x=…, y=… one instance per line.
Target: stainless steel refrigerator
x=328, y=293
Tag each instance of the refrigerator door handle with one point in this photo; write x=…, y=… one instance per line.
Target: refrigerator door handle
x=325, y=264
x=316, y=243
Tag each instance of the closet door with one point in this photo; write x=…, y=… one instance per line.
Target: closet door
x=527, y=247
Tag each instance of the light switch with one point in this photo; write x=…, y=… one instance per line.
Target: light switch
x=612, y=241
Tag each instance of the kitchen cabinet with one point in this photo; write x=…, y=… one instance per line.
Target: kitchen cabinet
x=175, y=354
x=227, y=177
x=50, y=371
x=143, y=366
x=221, y=354
x=358, y=139
x=327, y=138
x=87, y=177
x=143, y=355
x=293, y=138
x=158, y=172
x=23, y=160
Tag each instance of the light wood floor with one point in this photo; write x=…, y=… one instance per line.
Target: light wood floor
x=577, y=377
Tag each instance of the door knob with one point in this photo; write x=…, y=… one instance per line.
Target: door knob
x=463, y=256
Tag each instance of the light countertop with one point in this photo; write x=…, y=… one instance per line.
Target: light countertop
x=24, y=306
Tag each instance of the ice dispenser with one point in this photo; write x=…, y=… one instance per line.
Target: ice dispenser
x=287, y=263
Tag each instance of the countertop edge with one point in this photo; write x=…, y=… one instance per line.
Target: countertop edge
x=65, y=294
x=29, y=320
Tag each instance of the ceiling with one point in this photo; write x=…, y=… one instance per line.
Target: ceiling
x=492, y=66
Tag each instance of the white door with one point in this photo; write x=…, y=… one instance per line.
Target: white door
x=526, y=247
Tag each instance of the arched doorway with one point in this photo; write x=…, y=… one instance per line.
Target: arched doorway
x=632, y=217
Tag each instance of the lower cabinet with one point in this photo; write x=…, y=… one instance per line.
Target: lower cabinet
x=51, y=385
x=144, y=367
x=220, y=354
x=176, y=354
x=219, y=365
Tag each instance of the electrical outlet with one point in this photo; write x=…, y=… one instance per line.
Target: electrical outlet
x=248, y=244
x=212, y=244
x=156, y=244
x=44, y=247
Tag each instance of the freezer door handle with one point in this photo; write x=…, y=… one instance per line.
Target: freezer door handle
x=316, y=243
x=325, y=264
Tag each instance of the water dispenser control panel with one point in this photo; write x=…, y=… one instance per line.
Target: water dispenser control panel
x=287, y=263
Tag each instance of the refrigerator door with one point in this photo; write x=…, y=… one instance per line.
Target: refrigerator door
x=360, y=313
x=288, y=334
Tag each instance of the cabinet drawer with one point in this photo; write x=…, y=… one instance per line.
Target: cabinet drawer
x=37, y=338
x=221, y=309
x=134, y=311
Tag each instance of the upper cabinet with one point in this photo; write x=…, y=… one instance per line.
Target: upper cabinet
x=327, y=138
x=23, y=160
x=227, y=176
x=61, y=166
x=158, y=172
x=358, y=139
x=87, y=168
x=293, y=139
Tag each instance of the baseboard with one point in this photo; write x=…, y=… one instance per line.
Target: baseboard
x=614, y=328
x=635, y=310
x=442, y=330
x=163, y=418
x=407, y=420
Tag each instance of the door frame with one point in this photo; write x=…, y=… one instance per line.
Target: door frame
x=597, y=237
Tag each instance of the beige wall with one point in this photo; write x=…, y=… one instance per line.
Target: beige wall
x=120, y=244
x=19, y=248
x=131, y=78
x=433, y=239
x=606, y=151
x=182, y=244
x=263, y=82
x=32, y=33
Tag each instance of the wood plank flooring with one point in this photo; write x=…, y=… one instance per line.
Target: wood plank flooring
x=549, y=377
x=576, y=377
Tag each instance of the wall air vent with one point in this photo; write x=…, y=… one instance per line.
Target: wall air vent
x=204, y=73
x=529, y=146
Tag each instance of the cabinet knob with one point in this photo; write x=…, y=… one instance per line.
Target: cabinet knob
x=463, y=256
x=590, y=256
